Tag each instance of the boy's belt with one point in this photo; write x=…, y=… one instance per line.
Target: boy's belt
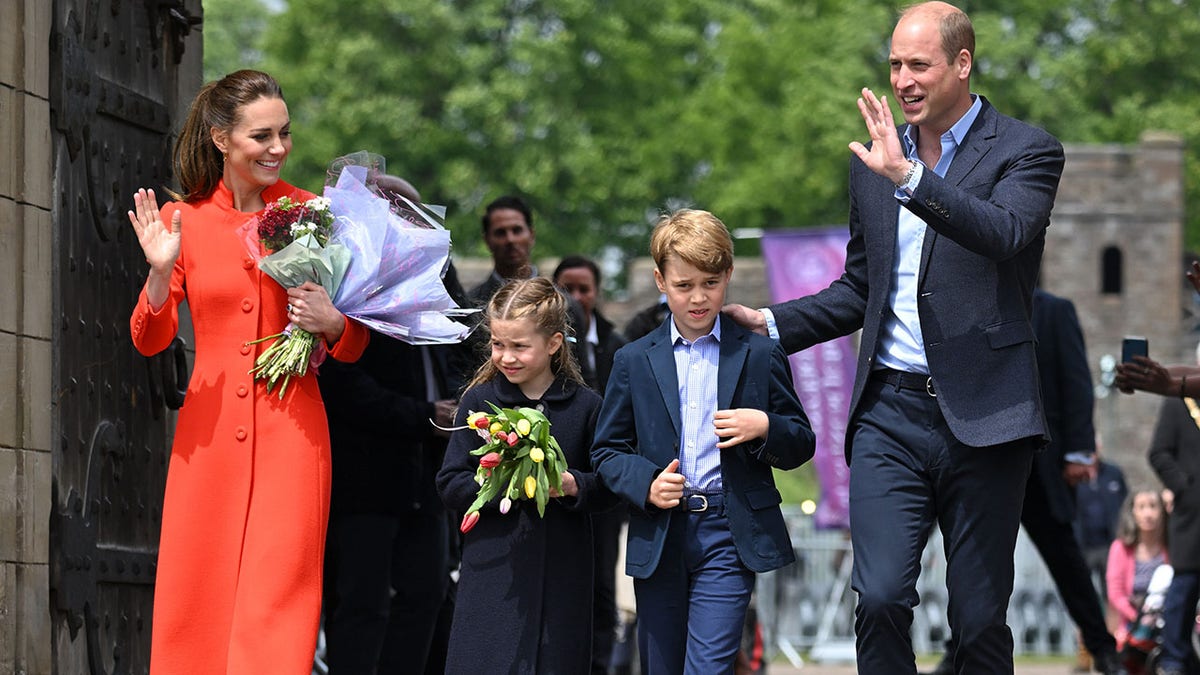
x=702, y=501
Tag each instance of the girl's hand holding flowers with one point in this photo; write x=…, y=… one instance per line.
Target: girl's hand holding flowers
x=519, y=460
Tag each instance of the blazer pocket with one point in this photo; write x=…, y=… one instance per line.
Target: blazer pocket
x=1008, y=334
x=763, y=498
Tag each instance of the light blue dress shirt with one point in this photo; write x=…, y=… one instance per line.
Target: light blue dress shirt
x=696, y=364
x=902, y=346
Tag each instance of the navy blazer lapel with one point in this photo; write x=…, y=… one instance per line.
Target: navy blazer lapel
x=975, y=146
x=735, y=348
x=661, y=355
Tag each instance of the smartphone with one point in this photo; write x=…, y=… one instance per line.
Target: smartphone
x=1133, y=346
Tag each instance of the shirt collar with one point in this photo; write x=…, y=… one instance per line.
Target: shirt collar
x=958, y=132
x=594, y=337
x=676, y=336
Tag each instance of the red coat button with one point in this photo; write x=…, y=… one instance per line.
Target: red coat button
x=247, y=305
x=241, y=433
x=246, y=349
x=242, y=390
x=248, y=264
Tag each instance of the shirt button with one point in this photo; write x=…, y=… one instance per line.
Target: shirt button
x=247, y=305
x=692, y=406
x=242, y=390
x=245, y=350
x=241, y=433
x=247, y=264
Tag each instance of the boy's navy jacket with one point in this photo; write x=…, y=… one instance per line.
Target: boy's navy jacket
x=639, y=429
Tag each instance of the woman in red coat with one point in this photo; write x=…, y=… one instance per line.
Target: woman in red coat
x=238, y=588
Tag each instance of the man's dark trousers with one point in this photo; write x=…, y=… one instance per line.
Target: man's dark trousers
x=906, y=471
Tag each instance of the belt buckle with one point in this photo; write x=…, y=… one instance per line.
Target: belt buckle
x=703, y=504
x=929, y=387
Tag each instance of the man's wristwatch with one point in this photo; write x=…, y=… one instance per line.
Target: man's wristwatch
x=912, y=168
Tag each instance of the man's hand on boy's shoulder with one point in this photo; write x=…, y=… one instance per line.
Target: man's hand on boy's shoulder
x=740, y=425
x=750, y=319
x=667, y=488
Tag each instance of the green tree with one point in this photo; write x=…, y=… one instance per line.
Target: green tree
x=232, y=35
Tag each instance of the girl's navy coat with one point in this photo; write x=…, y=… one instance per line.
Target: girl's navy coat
x=525, y=592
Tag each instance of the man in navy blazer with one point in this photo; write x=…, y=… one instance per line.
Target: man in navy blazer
x=947, y=225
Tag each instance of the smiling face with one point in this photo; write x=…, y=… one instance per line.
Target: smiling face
x=523, y=354
x=255, y=148
x=932, y=89
x=695, y=297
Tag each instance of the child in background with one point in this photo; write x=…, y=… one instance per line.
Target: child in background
x=1139, y=550
x=525, y=585
x=696, y=415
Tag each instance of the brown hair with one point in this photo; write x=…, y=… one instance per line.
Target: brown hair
x=538, y=300
x=698, y=238
x=218, y=105
x=1127, y=529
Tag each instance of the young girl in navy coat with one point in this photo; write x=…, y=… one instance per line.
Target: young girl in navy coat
x=525, y=586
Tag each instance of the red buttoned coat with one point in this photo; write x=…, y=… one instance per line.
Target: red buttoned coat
x=238, y=588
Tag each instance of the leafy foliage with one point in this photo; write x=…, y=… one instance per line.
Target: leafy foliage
x=605, y=112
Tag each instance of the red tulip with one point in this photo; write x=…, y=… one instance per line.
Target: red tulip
x=468, y=522
x=490, y=460
x=512, y=438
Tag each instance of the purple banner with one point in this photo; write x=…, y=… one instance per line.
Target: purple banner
x=799, y=263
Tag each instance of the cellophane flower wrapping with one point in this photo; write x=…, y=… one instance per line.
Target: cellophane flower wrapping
x=399, y=251
x=291, y=242
x=380, y=258
x=519, y=460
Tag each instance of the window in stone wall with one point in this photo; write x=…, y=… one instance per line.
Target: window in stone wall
x=1110, y=271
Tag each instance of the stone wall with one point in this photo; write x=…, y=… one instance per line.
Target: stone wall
x=25, y=330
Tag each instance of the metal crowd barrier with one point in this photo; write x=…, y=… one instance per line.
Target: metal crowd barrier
x=807, y=609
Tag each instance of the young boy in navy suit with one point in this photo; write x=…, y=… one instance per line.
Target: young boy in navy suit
x=695, y=416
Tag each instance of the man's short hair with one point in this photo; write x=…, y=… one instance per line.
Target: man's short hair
x=572, y=261
x=506, y=202
x=696, y=237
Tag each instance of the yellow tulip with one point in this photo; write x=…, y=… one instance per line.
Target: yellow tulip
x=523, y=428
x=537, y=455
x=530, y=486
x=496, y=426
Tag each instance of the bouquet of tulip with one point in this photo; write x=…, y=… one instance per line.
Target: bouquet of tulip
x=295, y=236
x=519, y=460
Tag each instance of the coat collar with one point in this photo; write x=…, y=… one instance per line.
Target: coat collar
x=510, y=394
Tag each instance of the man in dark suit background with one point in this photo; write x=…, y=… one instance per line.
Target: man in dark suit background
x=947, y=226
x=1048, y=513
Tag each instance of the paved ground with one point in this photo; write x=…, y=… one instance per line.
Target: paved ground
x=1063, y=667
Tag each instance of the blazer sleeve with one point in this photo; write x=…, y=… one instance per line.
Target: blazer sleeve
x=1074, y=381
x=1165, y=446
x=152, y=330
x=790, y=440
x=996, y=215
x=593, y=494
x=615, y=448
x=834, y=311
x=456, y=479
